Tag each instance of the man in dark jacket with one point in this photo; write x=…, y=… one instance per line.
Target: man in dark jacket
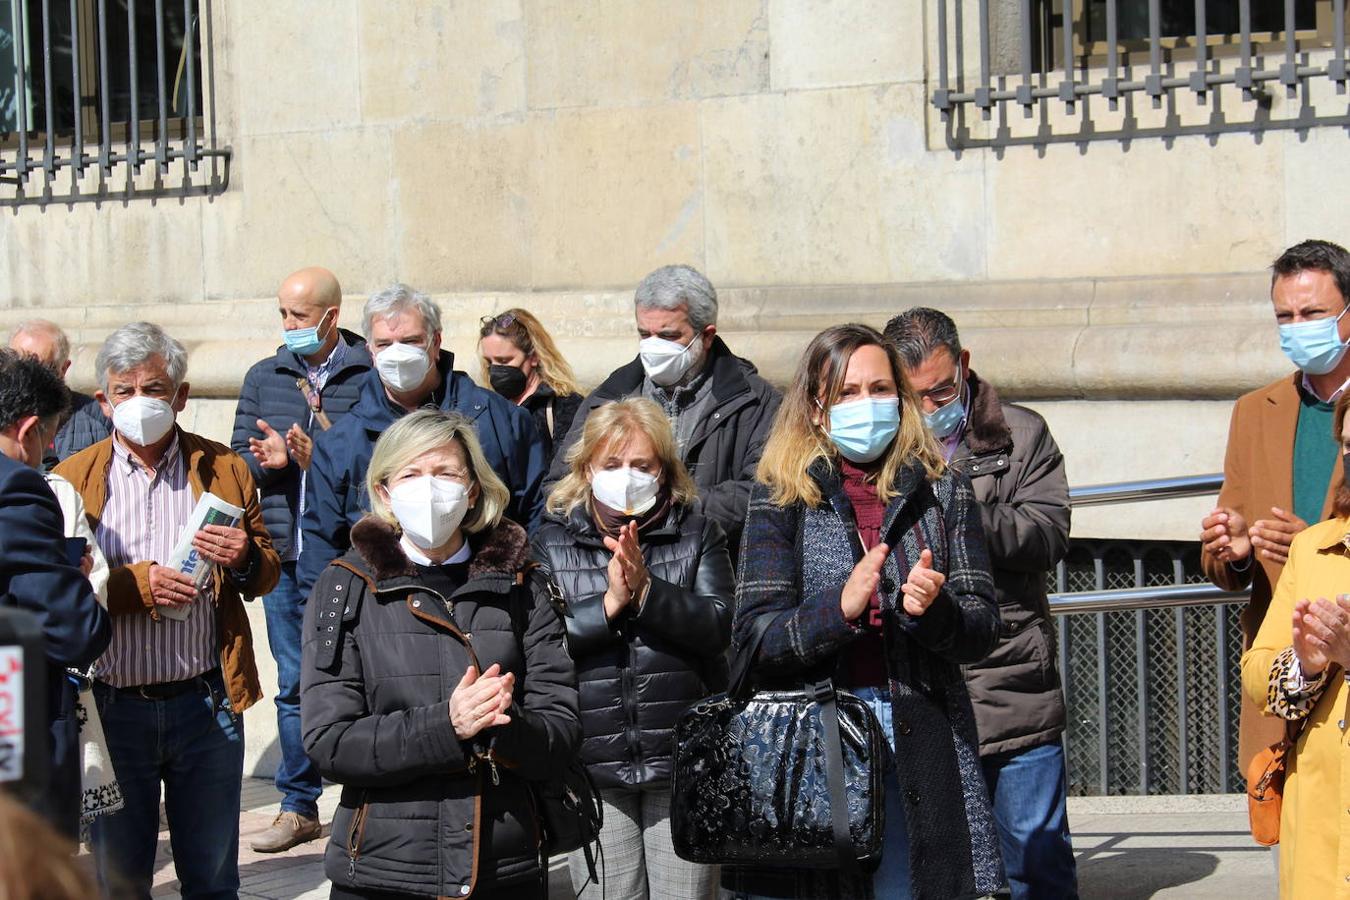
x=312, y=381
x=1018, y=475
x=85, y=424
x=720, y=408
x=403, y=328
x=35, y=572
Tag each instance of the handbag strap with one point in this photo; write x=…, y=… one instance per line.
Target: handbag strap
x=739, y=681
x=824, y=694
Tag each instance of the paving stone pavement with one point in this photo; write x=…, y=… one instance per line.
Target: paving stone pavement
x=1128, y=848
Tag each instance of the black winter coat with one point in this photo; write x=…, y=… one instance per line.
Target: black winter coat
x=382, y=655
x=542, y=404
x=637, y=674
x=269, y=392
x=1017, y=472
x=725, y=447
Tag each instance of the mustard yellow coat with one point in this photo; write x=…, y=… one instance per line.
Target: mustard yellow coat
x=1315, y=825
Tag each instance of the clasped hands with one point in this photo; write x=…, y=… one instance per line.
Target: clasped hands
x=1226, y=535
x=273, y=451
x=220, y=544
x=628, y=575
x=1322, y=634
x=481, y=701
x=920, y=589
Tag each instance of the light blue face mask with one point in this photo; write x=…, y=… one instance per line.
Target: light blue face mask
x=946, y=419
x=304, y=341
x=1314, y=347
x=863, y=429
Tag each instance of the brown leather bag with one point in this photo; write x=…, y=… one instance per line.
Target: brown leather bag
x=1265, y=784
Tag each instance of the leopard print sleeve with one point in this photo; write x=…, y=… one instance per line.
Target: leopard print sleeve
x=1289, y=695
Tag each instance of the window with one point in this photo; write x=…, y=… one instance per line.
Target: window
x=91, y=85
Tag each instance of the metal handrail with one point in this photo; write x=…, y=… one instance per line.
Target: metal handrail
x=1160, y=597
x=1147, y=489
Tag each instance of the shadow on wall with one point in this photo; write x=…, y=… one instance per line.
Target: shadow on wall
x=1139, y=874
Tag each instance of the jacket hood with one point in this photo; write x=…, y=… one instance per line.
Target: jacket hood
x=502, y=550
x=358, y=355
x=988, y=431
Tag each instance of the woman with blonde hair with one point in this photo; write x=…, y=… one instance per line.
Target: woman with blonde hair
x=864, y=561
x=1294, y=670
x=648, y=584
x=522, y=363
x=435, y=681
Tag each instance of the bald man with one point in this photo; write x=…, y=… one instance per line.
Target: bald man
x=311, y=382
x=85, y=424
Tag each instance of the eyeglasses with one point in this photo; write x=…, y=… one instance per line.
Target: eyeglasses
x=505, y=320
x=944, y=394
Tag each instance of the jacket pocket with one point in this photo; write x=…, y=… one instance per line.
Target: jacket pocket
x=356, y=831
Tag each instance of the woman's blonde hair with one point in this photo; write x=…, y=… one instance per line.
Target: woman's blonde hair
x=799, y=436
x=614, y=425
x=421, y=432
x=527, y=333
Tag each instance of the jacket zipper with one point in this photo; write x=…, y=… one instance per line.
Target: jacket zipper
x=355, y=834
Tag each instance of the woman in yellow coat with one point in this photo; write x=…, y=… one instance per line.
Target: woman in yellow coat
x=1295, y=669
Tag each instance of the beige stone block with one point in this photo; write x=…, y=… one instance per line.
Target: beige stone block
x=1316, y=183
x=593, y=197
x=464, y=202
x=586, y=52
x=837, y=187
x=300, y=200
x=441, y=61
x=290, y=66
x=615, y=194
x=93, y=255
x=1152, y=209
x=830, y=43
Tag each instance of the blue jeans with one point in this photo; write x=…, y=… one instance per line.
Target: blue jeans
x=296, y=778
x=194, y=744
x=891, y=878
x=1028, y=787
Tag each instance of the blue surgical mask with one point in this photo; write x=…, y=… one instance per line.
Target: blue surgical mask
x=1314, y=347
x=863, y=429
x=947, y=418
x=304, y=341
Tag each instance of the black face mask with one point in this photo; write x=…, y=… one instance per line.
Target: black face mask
x=509, y=381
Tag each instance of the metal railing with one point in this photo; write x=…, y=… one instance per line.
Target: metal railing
x=97, y=104
x=1149, y=655
x=1051, y=57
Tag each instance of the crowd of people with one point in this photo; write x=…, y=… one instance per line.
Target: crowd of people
x=470, y=585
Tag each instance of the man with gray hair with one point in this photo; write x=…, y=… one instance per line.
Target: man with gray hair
x=1017, y=472
x=403, y=331
x=85, y=423
x=179, y=673
x=719, y=407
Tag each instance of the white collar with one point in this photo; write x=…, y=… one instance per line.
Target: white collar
x=415, y=555
x=1335, y=395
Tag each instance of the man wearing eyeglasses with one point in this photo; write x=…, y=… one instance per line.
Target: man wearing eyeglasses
x=312, y=380
x=1018, y=475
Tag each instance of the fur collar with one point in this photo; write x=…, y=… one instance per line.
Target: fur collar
x=988, y=431
x=503, y=550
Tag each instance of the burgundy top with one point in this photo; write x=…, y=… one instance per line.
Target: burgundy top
x=864, y=662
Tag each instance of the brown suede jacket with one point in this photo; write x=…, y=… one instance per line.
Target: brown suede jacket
x=211, y=467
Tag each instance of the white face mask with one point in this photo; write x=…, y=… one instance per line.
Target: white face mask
x=666, y=362
x=402, y=366
x=143, y=420
x=429, y=509
x=625, y=490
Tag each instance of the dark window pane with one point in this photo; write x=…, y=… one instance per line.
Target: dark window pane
x=1177, y=17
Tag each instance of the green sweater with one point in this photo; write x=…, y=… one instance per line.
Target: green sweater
x=1314, y=457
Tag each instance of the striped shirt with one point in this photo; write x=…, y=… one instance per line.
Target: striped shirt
x=142, y=520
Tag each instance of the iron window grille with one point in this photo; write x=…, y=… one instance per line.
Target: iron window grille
x=105, y=99
x=1035, y=54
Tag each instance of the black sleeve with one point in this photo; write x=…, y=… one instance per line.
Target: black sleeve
x=698, y=618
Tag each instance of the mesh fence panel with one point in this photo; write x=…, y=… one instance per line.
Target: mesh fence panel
x=1167, y=722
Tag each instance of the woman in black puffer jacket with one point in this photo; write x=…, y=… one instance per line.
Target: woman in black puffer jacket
x=435, y=681
x=648, y=585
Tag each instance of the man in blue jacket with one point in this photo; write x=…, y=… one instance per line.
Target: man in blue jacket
x=403, y=328
x=310, y=383
x=35, y=572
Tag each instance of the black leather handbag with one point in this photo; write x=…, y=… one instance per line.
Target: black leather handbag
x=778, y=777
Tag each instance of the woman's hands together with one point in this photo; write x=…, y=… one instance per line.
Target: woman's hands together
x=1322, y=634
x=628, y=575
x=481, y=701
